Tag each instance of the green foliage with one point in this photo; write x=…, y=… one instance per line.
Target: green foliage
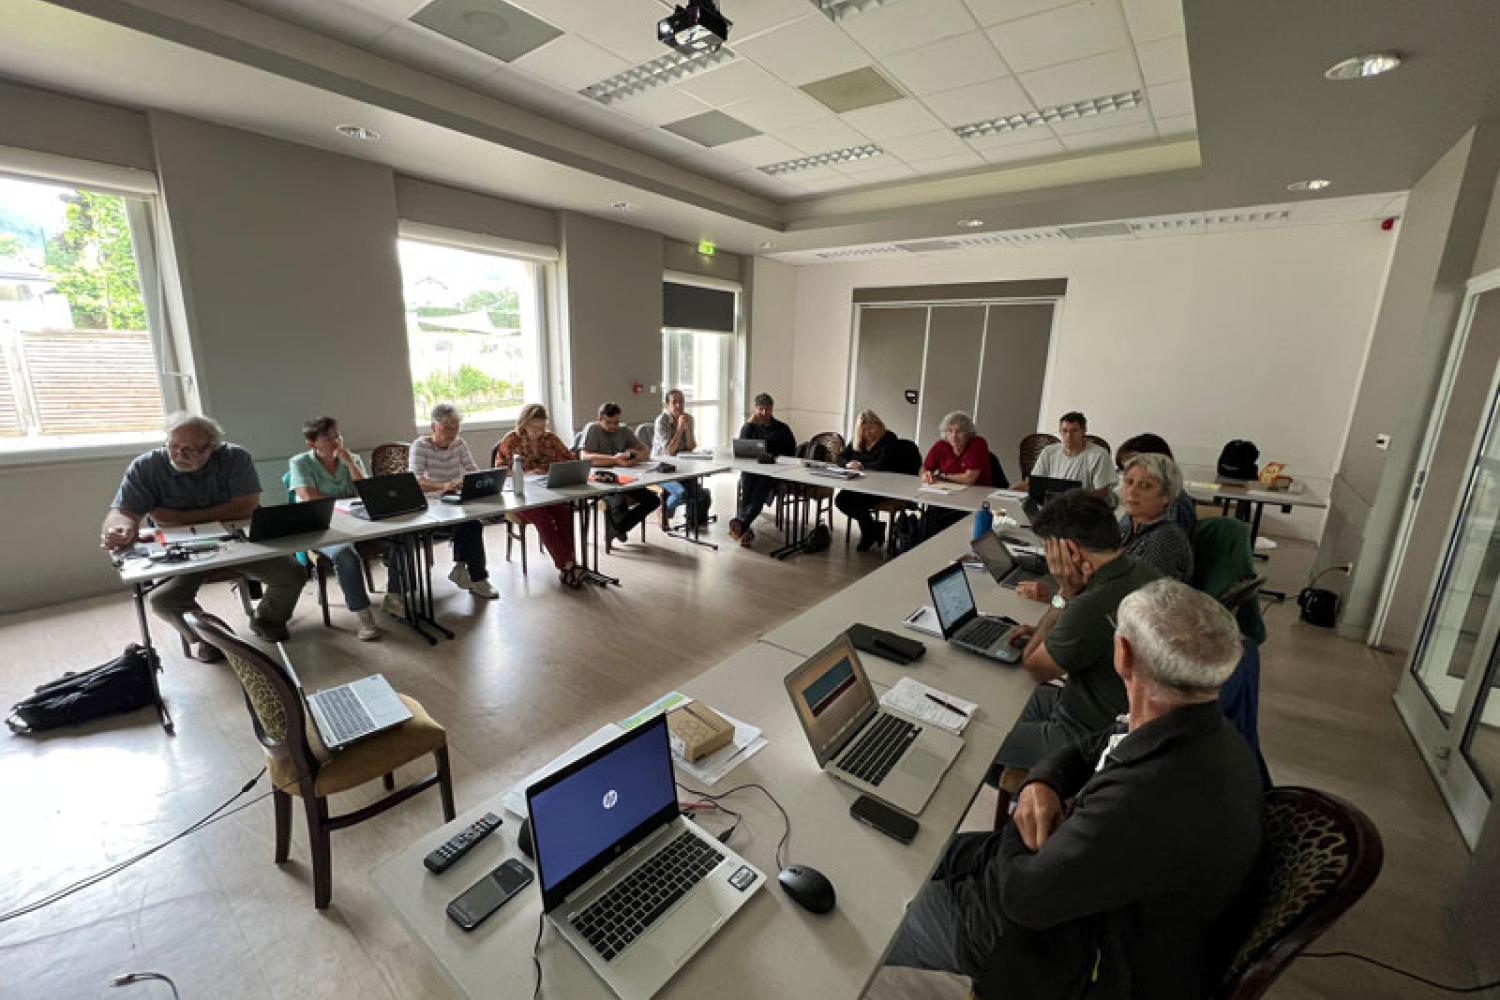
x=92, y=263
x=468, y=389
x=10, y=245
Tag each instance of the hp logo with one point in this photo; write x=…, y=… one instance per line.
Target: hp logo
x=610, y=798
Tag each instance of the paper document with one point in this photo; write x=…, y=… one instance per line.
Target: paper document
x=924, y=620
x=515, y=799
x=913, y=698
x=942, y=488
x=192, y=532
x=698, y=456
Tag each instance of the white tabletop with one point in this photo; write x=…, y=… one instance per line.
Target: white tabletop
x=1202, y=482
x=892, y=485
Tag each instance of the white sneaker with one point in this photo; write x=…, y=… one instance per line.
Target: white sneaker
x=368, y=630
x=393, y=605
x=459, y=574
x=483, y=588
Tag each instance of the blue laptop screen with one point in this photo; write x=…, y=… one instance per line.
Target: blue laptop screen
x=588, y=812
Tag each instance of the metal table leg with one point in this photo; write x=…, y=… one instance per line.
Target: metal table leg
x=588, y=525
x=797, y=530
x=414, y=552
x=691, y=532
x=167, y=724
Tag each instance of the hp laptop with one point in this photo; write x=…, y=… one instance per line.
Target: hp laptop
x=1007, y=568
x=352, y=711
x=477, y=486
x=389, y=496
x=961, y=622
x=286, y=519
x=560, y=474
x=749, y=448
x=632, y=885
x=882, y=753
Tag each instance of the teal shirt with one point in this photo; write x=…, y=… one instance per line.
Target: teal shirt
x=306, y=470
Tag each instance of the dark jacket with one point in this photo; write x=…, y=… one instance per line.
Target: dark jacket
x=778, y=436
x=1130, y=896
x=880, y=458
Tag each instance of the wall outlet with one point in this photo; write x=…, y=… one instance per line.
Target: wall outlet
x=1382, y=441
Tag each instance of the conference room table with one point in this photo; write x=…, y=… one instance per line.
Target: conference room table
x=1249, y=500
x=772, y=947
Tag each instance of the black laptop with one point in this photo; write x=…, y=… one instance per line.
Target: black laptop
x=286, y=519
x=1005, y=565
x=476, y=486
x=388, y=496
x=1040, y=489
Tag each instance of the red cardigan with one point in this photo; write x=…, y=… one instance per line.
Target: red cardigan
x=976, y=455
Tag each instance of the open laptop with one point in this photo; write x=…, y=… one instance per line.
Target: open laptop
x=749, y=448
x=961, y=622
x=632, y=885
x=287, y=519
x=476, y=486
x=884, y=754
x=1040, y=489
x=560, y=474
x=388, y=496
x=1006, y=567
x=350, y=712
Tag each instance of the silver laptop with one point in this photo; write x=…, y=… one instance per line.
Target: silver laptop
x=1003, y=564
x=1013, y=507
x=560, y=474
x=637, y=889
x=961, y=622
x=749, y=448
x=350, y=712
x=884, y=754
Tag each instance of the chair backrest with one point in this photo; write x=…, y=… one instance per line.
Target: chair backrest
x=822, y=447
x=390, y=458
x=644, y=433
x=1318, y=856
x=1222, y=561
x=577, y=444
x=1239, y=593
x=997, y=473
x=907, y=457
x=1031, y=448
x=1096, y=439
x=495, y=454
x=275, y=706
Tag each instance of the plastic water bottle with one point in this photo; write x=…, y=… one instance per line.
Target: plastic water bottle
x=517, y=477
x=984, y=521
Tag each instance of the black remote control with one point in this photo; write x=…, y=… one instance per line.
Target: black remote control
x=444, y=857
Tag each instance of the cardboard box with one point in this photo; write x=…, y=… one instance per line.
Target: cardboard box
x=697, y=731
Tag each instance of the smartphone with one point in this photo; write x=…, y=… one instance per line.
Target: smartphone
x=891, y=822
x=487, y=895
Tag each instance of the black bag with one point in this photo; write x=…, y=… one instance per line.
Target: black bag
x=906, y=534
x=1319, y=607
x=121, y=685
x=1237, y=460
x=818, y=539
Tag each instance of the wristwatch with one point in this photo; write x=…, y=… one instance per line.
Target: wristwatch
x=1059, y=601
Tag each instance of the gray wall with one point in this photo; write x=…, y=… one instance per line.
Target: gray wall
x=69, y=126
x=684, y=257
x=441, y=205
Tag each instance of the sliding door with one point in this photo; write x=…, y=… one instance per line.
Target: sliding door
x=950, y=379
x=1017, y=337
x=888, y=370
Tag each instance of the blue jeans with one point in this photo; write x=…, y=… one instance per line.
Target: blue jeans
x=688, y=491
x=349, y=567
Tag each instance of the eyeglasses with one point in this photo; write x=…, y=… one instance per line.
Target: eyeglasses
x=187, y=451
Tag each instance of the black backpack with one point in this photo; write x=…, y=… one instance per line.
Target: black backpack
x=906, y=534
x=818, y=539
x=1237, y=460
x=122, y=685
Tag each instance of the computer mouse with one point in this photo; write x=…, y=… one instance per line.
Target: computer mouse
x=808, y=888
x=523, y=839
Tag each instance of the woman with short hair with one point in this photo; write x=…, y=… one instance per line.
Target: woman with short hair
x=538, y=448
x=1151, y=485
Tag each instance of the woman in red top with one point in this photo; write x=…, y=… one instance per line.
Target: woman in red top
x=961, y=458
x=539, y=448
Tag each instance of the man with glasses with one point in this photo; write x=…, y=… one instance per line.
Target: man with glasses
x=196, y=478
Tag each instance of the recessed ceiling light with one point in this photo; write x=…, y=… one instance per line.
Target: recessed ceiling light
x=624, y=206
x=357, y=132
x=823, y=159
x=1103, y=105
x=838, y=10
x=764, y=245
x=971, y=223
x=1316, y=184
x=673, y=67
x=1359, y=67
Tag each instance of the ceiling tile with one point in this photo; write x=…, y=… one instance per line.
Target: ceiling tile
x=985, y=144
x=731, y=82
x=1164, y=60
x=1021, y=152
x=823, y=185
x=1138, y=115
x=1171, y=99
x=427, y=50
x=1063, y=35
x=625, y=27
x=993, y=99
x=759, y=151
x=908, y=24
x=822, y=136
x=778, y=109
x=751, y=17
x=994, y=11
x=891, y=170
x=948, y=64
x=1102, y=138
x=967, y=160
x=571, y=63
x=711, y=128
x=1153, y=19
x=890, y=120
x=812, y=48
x=1110, y=73
x=659, y=106
x=928, y=146
x=1176, y=125
x=355, y=25
x=811, y=174
x=865, y=87
x=493, y=27
x=876, y=167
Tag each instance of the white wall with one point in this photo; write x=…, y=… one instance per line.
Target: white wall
x=1201, y=339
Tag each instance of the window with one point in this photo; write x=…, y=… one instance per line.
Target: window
x=81, y=357
x=474, y=328
x=700, y=354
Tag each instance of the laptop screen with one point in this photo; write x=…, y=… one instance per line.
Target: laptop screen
x=588, y=811
x=951, y=598
x=832, y=696
x=996, y=556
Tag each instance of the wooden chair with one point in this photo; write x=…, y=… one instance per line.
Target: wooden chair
x=822, y=447
x=300, y=765
x=1030, y=449
x=1318, y=856
x=515, y=526
x=247, y=589
x=390, y=458
x=1096, y=439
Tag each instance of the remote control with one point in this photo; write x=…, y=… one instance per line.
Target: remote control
x=444, y=857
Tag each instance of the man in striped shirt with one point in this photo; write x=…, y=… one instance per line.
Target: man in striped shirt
x=439, y=461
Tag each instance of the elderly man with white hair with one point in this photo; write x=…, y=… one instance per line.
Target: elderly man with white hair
x=195, y=478
x=1119, y=869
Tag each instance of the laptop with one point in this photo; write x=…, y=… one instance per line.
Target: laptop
x=286, y=519
x=884, y=754
x=350, y=712
x=1007, y=567
x=560, y=474
x=961, y=622
x=476, y=486
x=1040, y=489
x=388, y=496
x=1013, y=507
x=749, y=448
x=637, y=889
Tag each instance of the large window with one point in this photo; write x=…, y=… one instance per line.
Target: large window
x=474, y=329
x=79, y=362
x=700, y=353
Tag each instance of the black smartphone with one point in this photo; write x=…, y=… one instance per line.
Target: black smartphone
x=487, y=895
x=891, y=822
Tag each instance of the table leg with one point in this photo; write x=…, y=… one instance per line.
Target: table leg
x=690, y=531
x=167, y=724
x=588, y=533
x=414, y=553
x=797, y=531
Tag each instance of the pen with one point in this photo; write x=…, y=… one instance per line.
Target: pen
x=950, y=707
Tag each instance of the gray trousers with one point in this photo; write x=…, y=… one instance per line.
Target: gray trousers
x=937, y=933
x=283, y=577
x=1043, y=729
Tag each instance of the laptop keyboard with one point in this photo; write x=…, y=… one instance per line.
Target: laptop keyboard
x=878, y=748
x=625, y=912
x=983, y=632
x=345, y=715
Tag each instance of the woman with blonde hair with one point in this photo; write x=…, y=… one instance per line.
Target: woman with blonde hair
x=872, y=447
x=538, y=448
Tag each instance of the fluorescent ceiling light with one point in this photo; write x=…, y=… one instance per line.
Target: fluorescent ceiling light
x=1316, y=184
x=1051, y=116
x=669, y=68
x=971, y=223
x=1359, y=67
x=357, y=132
x=838, y=10
x=823, y=159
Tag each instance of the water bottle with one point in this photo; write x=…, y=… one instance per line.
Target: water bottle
x=517, y=477
x=984, y=521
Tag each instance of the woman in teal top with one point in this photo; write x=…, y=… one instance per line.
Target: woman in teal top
x=328, y=469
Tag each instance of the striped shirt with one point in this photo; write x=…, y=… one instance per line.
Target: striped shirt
x=440, y=465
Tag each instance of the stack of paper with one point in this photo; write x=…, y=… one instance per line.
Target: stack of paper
x=192, y=533
x=929, y=705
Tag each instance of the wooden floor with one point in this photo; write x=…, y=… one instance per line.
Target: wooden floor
x=528, y=676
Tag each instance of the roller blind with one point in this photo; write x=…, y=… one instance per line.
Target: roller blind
x=691, y=307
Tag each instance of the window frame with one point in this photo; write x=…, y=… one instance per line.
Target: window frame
x=735, y=397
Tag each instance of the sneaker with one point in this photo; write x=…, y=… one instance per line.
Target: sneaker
x=269, y=630
x=459, y=574
x=483, y=588
x=394, y=605
x=870, y=539
x=736, y=528
x=204, y=653
x=368, y=630
x=746, y=537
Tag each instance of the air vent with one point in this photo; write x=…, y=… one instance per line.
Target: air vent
x=1018, y=238
x=1211, y=222
x=929, y=246
x=1097, y=231
x=849, y=253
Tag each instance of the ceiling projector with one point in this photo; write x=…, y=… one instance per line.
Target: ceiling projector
x=696, y=26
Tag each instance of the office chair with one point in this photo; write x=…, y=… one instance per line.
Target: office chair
x=1096, y=439
x=390, y=458
x=1030, y=449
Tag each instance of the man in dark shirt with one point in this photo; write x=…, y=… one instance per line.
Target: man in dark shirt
x=196, y=478
x=756, y=491
x=1127, y=850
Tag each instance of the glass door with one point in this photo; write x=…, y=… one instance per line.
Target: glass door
x=701, y=364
